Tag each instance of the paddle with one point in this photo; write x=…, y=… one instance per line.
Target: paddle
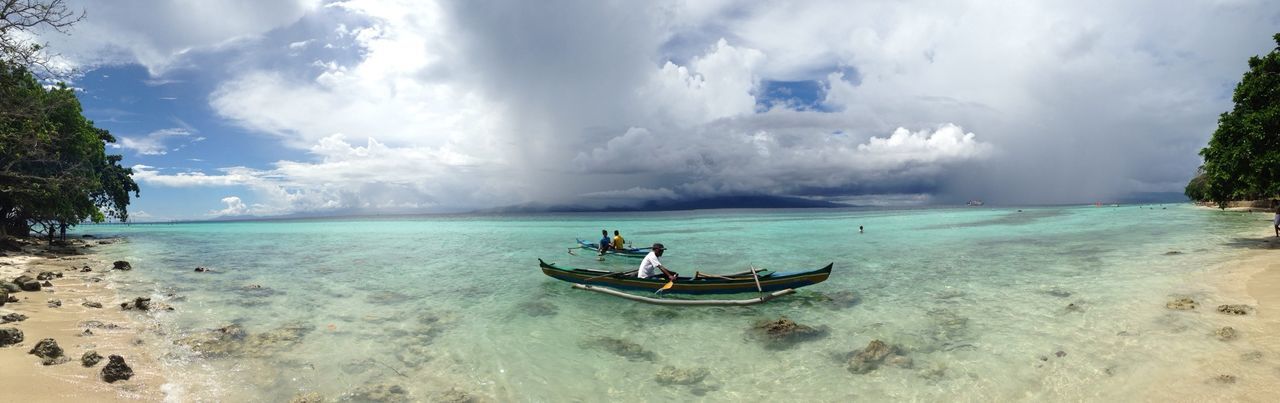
x=611, y=274
x=671, y=280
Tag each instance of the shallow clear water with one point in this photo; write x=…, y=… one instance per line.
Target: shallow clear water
x=977, y=298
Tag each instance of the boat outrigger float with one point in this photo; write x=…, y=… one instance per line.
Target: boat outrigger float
x=768, y=284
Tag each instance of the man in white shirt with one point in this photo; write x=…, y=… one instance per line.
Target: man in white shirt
x=650, y=266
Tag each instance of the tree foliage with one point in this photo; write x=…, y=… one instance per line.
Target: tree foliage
x=54, y=169
x=1242, y=161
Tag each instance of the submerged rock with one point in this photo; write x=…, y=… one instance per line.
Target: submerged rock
x=1234, y=309
x=121, y=265
x=312, y=397
x=10, y=336
x=876, y=353
x=49, y=351
x=116, y=370
x=453, y=395
x=90, y=358
x=233, y=340
x=538, y=308
x=670, y=375
x=1225, y=379
x=55, y=303
x=784, y=333
x=48, y=275
x=1181, y=304
x=1057, y=292
x=13, y=317
x=1252, y=356
x=91, y=304
x=1172, y=252
x=378, y=393
x=624, y=348
x=1226, y=333
x=4, y=297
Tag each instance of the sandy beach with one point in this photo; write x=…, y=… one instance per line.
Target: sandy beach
x=77, y=329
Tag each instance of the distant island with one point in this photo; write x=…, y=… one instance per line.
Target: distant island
x=715, y=202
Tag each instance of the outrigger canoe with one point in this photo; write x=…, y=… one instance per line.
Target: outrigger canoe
x=699, y=284
x=629, y=252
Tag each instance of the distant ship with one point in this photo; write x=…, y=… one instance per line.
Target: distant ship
x=973, y=203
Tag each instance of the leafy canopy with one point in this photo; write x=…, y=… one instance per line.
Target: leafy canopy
x=1242, y=161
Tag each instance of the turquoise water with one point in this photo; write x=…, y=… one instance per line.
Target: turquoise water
x=977, y=298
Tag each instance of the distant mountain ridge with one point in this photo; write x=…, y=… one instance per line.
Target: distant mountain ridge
x=715, y=202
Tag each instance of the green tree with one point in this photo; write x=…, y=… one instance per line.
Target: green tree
x=54, y=169
x=1242, y=161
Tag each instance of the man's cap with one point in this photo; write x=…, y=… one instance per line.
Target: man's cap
x=658, y=246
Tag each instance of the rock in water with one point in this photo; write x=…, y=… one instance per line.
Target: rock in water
x=90, y=358
x=1226, y=333
x=116, y=370
x=624, y=348
x=670, y=375
x=1181, y=304
x=48, y=275
x=121, y=265
x=10, y=336
x=379, y=393
x=138, y=303
x=4, y=296
x=13, y=317
x=55, y=303
x=1235, y=309
x=26, y=283
x=1225, y=379
x=312, y=397
x=49, y=351
x=783, y=333
x=876, y=353
x=91, y=304
x=453, y=395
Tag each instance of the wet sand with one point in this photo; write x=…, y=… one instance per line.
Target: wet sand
x=22, y=376
x=1245, y=368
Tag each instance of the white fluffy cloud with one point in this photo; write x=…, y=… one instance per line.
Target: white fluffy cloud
x=481, y=104
x=158, y=142
x=158, y=34
x=234, y=207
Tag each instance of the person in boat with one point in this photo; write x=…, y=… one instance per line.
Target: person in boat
x=618, y=242
x=604, y=241
x=650, y=267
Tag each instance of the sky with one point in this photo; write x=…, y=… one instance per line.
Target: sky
x=264, y=108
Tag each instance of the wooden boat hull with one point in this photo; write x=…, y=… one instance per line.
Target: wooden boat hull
x=769, y=282
x=638, y=253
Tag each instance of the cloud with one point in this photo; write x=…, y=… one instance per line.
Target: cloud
x=353, y=177
x=156, y=142
x=234, y=207
x=160, y=35
x=486, y=103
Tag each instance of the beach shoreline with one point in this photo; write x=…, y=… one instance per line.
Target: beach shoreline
x=67, y=312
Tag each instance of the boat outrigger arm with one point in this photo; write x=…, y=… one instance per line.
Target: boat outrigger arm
x=700, y=302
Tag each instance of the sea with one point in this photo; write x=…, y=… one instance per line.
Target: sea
x=1060, y=303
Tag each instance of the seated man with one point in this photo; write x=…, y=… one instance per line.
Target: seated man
x=604, y=241
x=650, y=266
x=618, y=242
